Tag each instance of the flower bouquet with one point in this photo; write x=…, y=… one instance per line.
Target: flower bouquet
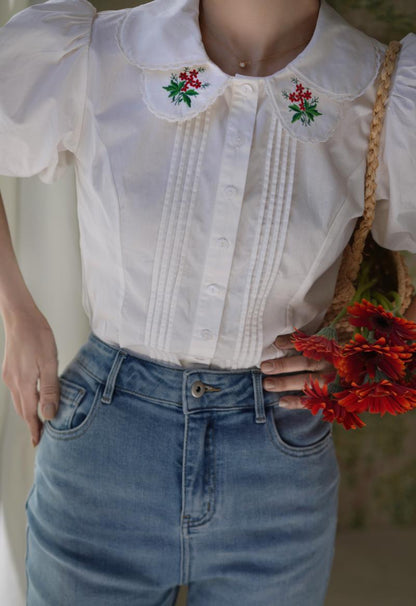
x=368, y=341
x=375, y=370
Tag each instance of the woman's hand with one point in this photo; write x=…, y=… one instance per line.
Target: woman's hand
x=302, y=367
x=30, y=354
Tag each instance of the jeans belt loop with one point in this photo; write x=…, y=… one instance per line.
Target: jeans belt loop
x=258, y=396
x=112, y=376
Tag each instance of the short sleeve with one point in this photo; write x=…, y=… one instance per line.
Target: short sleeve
x=395, y=221
x=43, y=80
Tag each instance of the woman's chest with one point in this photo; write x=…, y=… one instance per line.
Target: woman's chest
x=232, y=174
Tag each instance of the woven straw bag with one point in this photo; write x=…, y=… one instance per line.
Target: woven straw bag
x=390, y=268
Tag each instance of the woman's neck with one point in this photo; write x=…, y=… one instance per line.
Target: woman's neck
x=255, y=29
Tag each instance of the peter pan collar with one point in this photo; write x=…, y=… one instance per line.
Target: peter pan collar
x=163, y=38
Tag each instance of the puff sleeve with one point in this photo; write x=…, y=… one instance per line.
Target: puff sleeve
x=395, y=220
x=43, y=80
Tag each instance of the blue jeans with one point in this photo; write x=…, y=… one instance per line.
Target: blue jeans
x=151, y=476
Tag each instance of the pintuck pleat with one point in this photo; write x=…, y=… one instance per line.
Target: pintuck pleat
x=174, y=232
x=273, y=218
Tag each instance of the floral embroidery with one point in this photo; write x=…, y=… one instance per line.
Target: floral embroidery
x=183, y=86
x=303, y=104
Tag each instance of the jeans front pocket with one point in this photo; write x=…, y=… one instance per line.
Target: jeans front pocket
x=298, y=432
x=78, y=405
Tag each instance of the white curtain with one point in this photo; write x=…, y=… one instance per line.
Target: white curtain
x=44, y=229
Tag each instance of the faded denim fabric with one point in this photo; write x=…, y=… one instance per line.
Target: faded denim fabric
x=151, y=476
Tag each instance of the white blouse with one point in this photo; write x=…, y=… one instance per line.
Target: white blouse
x=213, y=209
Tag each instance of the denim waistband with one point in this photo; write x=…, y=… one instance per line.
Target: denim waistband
x=193, y=389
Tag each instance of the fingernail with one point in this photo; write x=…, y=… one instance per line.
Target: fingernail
x=268, y=384
x=283, y=405
x=49, y=410
x=267, y=366
x=34, y=442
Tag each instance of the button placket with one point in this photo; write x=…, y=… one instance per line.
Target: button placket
x=225, y=222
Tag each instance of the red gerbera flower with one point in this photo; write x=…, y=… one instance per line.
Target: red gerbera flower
x=384, y=324
x=335, y=412
x=411, y=363
x=318, y=398
x=378, y=398
x=360, y=358
x=316, y=347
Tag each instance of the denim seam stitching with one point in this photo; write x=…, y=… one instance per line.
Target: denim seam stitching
x=194, y=522
x=298, y=451
x=145, y=397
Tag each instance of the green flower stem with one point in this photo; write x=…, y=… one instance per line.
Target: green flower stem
x=339, y=317
x=357, y=297
x=382, y=300
x=361, y=290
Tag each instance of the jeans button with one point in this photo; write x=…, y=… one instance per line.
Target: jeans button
x=198, y=389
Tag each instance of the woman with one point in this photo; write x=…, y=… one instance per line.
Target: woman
x=213, y=216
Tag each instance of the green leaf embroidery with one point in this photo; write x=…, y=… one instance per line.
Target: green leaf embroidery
x=303, y=104
x=184, y=85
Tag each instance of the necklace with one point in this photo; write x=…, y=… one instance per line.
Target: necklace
x=244, y=63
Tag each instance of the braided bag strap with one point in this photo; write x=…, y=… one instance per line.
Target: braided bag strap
x=353, y=253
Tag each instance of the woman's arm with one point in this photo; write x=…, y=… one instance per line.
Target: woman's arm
x=30, y=350
x=14, y=295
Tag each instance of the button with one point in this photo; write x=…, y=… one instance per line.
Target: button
x=213, y=289
x=247, y=89
x=206, y=334
x=223, y=242
x=231, y=191
x=198, y=389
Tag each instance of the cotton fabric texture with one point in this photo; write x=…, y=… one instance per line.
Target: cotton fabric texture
x=213, y=219
x=238, y=499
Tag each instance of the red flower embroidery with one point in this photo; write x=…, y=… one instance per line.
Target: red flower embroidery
x=184, y=86
x=302, y=103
